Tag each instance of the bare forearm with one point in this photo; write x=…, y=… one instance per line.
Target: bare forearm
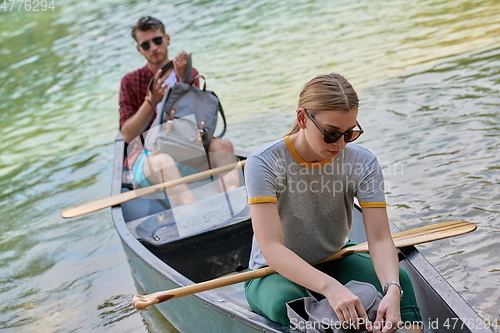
x=382, y=249
x=136, y=125
x=385, y=261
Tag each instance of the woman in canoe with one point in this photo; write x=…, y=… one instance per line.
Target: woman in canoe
x=301, y=192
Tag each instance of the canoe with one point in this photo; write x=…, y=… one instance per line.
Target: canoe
x=214, y=239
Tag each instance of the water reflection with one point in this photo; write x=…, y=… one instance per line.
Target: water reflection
x=448, y=120
x=115, y=309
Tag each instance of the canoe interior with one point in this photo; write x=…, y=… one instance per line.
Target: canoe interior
x=207, y=255
x=193, y=239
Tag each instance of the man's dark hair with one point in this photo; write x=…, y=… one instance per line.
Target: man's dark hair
x=147, y=23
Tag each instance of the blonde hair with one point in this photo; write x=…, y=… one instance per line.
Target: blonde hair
x=330, y=92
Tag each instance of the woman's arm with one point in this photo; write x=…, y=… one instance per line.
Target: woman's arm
x=269, y=233
x=385, y=262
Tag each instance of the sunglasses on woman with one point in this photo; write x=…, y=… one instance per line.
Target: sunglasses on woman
x=147, y=44
x=334, y=136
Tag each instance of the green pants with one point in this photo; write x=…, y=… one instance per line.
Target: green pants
x=268, y=295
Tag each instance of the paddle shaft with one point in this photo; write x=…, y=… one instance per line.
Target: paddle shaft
x=402, y=239
x=117, y=199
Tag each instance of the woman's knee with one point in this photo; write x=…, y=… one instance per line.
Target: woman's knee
x=405, y=280
x=269, y=296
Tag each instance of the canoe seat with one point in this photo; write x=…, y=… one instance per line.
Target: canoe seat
x=158, y=202
x=161, y=224
x=145, y=206
x=201, y=240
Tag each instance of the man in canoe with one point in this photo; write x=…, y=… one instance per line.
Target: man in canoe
x=301, y=192
x=138, y=110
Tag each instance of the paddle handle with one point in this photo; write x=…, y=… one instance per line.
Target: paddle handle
x=117, y=199
x=401, y=239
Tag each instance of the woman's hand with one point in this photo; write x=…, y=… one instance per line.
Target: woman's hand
x=348, y=307
x=388, y=313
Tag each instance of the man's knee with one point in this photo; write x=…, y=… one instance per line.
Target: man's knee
x=221, y=145
x=156, y=162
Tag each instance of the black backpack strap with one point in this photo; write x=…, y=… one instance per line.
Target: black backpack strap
x=221, y=111
x=188, y=75
x=164, y=69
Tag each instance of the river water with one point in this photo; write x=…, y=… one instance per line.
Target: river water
x=427, y=73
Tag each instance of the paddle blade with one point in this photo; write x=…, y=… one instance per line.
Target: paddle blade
x=93, y=206
x=432, y=233
x=117, y=199
x=417, y=236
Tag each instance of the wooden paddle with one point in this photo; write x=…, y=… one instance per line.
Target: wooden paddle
x=117, y=199
x=401, y=239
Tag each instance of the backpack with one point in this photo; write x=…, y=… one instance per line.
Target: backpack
x=185, y=126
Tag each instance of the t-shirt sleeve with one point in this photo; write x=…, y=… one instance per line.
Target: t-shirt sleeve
x=261, y=180
x=370, y=190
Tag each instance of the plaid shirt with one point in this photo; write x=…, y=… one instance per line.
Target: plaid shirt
x=133, y=90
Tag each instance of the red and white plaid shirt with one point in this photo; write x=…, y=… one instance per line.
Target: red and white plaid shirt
x=133, y=90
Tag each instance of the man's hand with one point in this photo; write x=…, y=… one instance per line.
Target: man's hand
x=180, y=62
x=155, y=95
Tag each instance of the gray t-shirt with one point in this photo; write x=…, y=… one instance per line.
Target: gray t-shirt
x=315, y=200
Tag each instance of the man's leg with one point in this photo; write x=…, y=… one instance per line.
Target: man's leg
x=160, y=168
x=221, y=152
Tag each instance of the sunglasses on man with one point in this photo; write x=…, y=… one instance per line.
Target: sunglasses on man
x=147, y=44
x=334, y=136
